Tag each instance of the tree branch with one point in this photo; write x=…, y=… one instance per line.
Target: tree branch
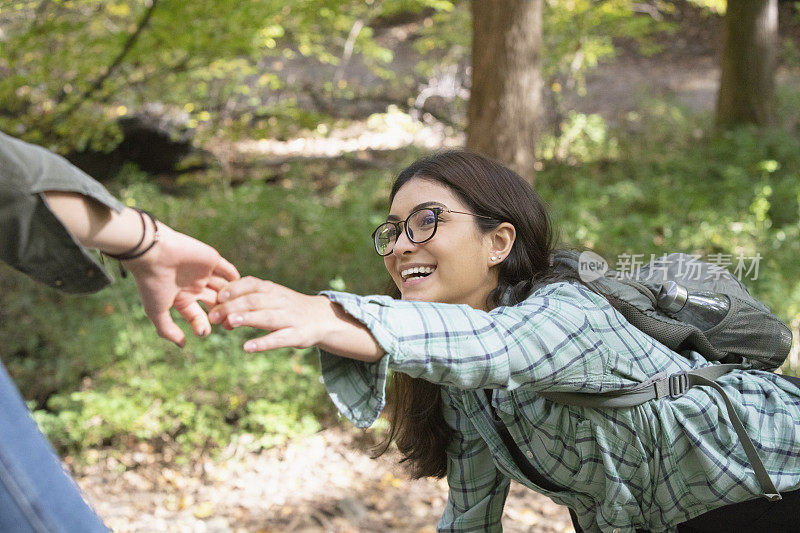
x=126, y=48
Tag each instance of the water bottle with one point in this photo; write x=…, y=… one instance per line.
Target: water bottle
x=703, y=309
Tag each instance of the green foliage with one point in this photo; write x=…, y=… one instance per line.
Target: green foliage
x=583, y=138
x=579, y=34
x=448, y=34
x=103, y=377
x=663, y=181
x=100, y=376
x=672, y=184
x=196, y=400
x=789, y=54
x=714, y=6
x=69, y=69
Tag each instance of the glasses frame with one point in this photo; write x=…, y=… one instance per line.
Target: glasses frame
x=437, y=210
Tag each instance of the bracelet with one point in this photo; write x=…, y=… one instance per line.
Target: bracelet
x=138, y=244
x=132, y=253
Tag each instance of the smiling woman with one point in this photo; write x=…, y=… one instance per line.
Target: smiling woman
x=457, y=265
x=483, y=326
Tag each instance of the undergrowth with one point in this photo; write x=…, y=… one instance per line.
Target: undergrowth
x=661, y=181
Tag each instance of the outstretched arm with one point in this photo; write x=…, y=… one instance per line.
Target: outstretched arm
x=295, y=319
x=178, y=272
x=554, y=340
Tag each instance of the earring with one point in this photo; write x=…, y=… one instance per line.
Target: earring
x=494, y=258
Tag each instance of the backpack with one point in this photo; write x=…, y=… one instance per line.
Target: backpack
x=747, y=337
x=749, y=334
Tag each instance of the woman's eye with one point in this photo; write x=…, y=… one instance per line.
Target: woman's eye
x=428, y=220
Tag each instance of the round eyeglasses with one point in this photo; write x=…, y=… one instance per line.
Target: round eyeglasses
x=420, y=226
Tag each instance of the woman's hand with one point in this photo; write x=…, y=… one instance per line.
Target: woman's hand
x=178, y=273
x=295, y=320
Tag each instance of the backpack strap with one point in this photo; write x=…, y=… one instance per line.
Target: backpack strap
x=676, y=385
x=525, y=466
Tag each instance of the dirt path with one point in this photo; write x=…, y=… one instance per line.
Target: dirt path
x=323, y=483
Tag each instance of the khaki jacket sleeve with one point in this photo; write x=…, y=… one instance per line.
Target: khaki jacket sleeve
x=32, y=239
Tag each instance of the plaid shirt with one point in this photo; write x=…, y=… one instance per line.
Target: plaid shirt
x=652, y=466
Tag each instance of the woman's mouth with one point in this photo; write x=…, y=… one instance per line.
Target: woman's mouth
x=415, y=274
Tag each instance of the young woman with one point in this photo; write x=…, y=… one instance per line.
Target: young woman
x=467, y=243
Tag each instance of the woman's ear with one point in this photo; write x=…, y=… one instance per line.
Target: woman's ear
x=501, y=239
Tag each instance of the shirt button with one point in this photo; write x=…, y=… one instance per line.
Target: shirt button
x=89, y=272
x=529, y=454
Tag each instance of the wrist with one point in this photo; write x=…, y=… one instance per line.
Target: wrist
x=125, y=232
x=150, y=233
x=343, y=335
x=151, y=256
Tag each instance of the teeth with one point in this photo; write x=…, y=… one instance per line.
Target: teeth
x=416, y=270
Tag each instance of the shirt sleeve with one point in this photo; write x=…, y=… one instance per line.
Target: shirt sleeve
x=477, y=489
x=32, y=239
x=551, y=341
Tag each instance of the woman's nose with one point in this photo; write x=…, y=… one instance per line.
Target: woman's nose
x=403, y=244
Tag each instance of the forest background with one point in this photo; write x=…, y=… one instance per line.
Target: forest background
x=272, y=130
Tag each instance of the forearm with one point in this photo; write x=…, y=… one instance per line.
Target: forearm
x=441, y=343
x=543, y=343
x=49, y=245
x=348, y=337
x=97, y=226
x=176, y=273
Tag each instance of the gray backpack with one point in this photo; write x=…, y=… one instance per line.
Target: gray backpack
x=748, y=336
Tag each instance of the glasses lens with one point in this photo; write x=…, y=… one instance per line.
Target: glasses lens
x=385, y=237
x=421, y=225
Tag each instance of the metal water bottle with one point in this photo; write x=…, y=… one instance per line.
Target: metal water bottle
x=703, y=309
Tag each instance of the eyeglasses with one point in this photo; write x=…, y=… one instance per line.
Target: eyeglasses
x=420, y=226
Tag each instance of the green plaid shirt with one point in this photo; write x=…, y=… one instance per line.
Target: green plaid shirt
x=652, y=466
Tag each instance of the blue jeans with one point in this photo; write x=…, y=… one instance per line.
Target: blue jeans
x=36, y=494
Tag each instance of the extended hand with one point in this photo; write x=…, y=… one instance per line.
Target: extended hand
x=296, y=320
x=179, y=272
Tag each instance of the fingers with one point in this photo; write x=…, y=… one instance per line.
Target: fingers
x=282, y=338
x=243, y=286
x=248, y=311
x=246, y=294
x=196, y=317
x=207, y=296
x=217, y=282
x=259, y=318
x=167, y=328
x=226, y=270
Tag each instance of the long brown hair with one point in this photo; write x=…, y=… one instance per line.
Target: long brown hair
x=417, y=424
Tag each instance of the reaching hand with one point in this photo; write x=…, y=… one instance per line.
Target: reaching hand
x=178, y=273
x=295, y=319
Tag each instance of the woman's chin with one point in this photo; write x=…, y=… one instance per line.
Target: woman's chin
x=418, y=289
x=416, y=295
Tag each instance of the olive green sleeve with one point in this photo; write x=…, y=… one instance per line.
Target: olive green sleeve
x=32, y=239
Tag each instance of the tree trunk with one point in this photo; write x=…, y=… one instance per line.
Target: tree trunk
x=505, y=106
x=747, y=85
